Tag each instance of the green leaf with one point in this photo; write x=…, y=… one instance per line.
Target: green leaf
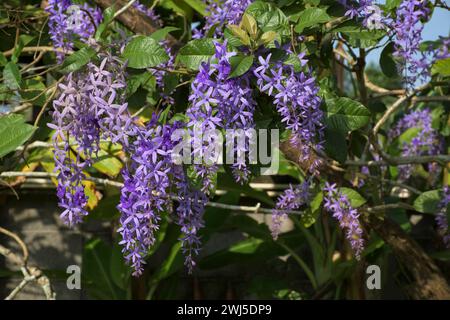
x=144, y=52
x=358, y=36
x=198, y=6
x=241, y=34
x=248, y=246
x=345, y=114
x=392, y=4
x=310, y=215
x=169, y=266
x=336, y=144
x=96, y=275
x=442, y=67
x=268, y=37
x=387, y=62
x=240, y=64
x=12, y=77
x=356, y=200
x=408, y=135
x=311, y=17
x=249, y=24
x=77, y=59
x=13, y=133
x=108, y=16
x=269, y=17
x=119, y=271
x=428, y=202
x=24, y=39
x=195, y=52
x=3, y=60
x=161, y=34
x=34, y=91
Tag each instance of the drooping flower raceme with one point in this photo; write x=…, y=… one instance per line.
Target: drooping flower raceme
x=151, y=182
x=425, y=142
x=296, y=99
x=222, y=13
x=144, y=196
x=339, y=205
x=441, y=217
x=68, y=21
x=90, y=107
x=408, y=27
x=219, y=103
x=291, y=199
x=189, y=215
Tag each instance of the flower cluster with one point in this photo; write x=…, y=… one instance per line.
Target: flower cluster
x=90, y=107
x=425, y=142
x=370, y=13
x=408, y=27
x=222, y=13
x=296, y=99
x=291, y=199
x=219, y=103
x=339, y=205
x=441, y=217
x=144, y=196
x=189, y=215
x=151, y=182
x=68, y=21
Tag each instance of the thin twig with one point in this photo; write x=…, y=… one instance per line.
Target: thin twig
x=397, y=161
x=123, y=9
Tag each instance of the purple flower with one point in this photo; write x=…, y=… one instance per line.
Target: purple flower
x=408, y=27
x=296, y=99
x=151, y=182
x=441, y=217
x=339, y=205
x=144, y=197
x=189, y=215
x=368, y=11
x=149, y=12
x=291, y=199
x=220, y=103
x=90, y=107
x=68, y=21
x=426, y=141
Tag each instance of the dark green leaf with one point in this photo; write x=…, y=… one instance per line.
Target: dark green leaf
x=96, y=273
x=161, y=34
x=12, y=77
x=240, y=64
x=336, y=144
x=77, y=59
x=197, y=5
x=144, y=52
x=356, y=200
x=195, y=52
x=344, y=114
x=428, y=202
x=311, y=17
x=387, y=63
x=13, y=133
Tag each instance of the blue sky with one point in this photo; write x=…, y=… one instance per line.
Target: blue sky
x=439, y=25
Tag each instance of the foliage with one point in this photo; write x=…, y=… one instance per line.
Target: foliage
x=108, y=101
